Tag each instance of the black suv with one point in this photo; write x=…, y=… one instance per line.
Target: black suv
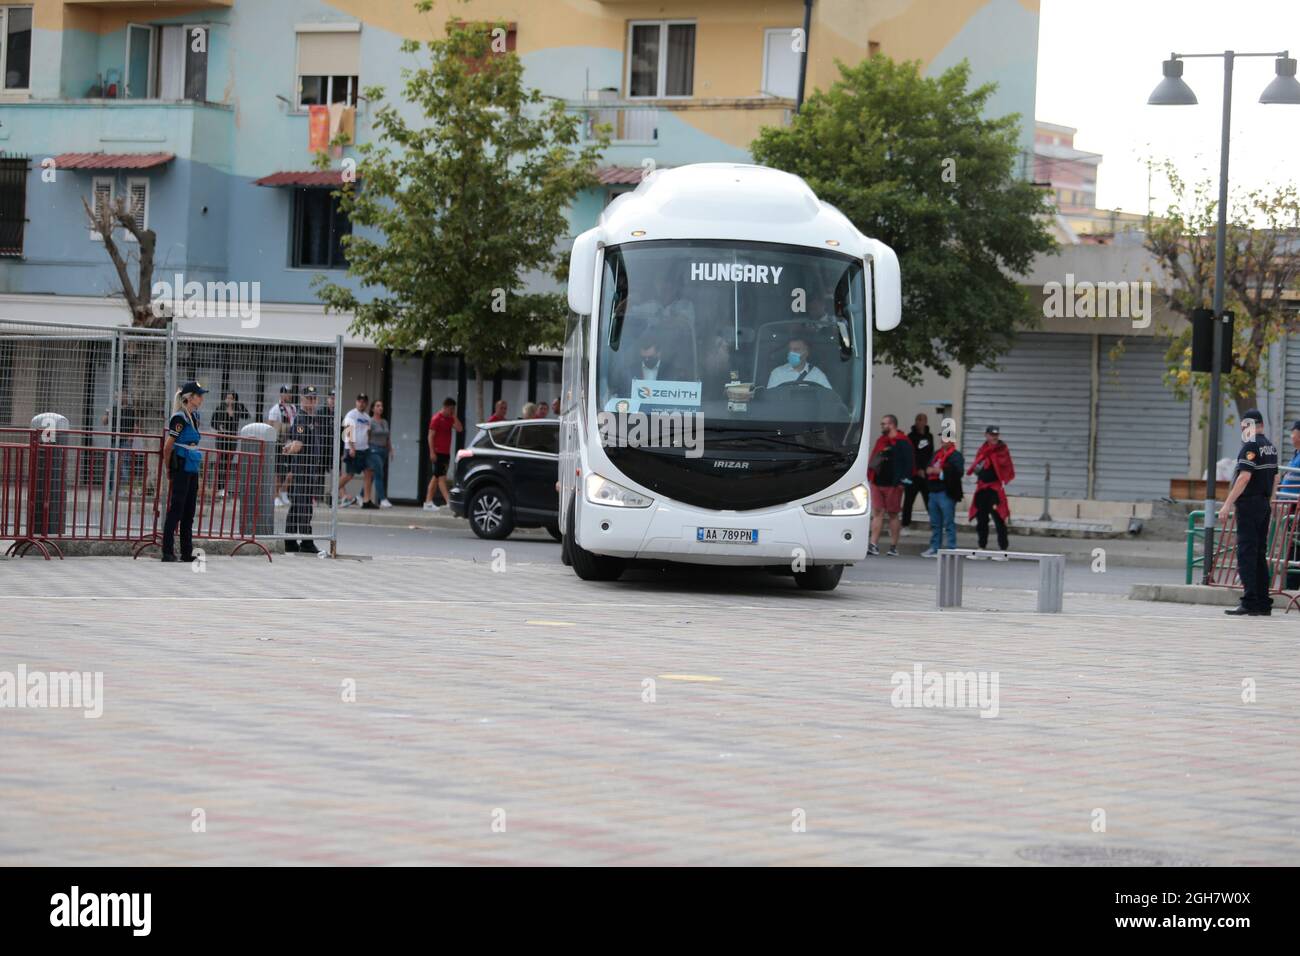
x=506, y=478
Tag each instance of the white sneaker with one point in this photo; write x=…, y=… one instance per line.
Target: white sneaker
x=385, y=503
x=929, y=553
x=430, y=506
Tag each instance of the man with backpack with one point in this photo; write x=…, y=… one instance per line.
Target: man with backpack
x=889, y=473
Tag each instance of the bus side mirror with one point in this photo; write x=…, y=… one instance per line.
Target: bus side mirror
x=582, y=272
x=888, y=282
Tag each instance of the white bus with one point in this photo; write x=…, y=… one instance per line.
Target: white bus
x=717, y=377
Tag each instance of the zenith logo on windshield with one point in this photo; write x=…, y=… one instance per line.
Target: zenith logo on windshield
x=730, y=464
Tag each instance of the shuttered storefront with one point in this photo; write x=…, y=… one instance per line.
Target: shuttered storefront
x=1040, y=397
x=1142, y=429
x=1291, y=395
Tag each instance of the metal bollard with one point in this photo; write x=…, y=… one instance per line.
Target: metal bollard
x=259, y=488
x=1047, y=493
x=1051, y=584
x=48, y=497
x=950, y=570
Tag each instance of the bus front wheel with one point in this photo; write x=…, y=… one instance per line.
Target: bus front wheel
x=588, y=566
x=820, y=577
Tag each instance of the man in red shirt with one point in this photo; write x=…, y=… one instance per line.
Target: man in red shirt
x=499, y=411
x=888, y=473
x=441, y=425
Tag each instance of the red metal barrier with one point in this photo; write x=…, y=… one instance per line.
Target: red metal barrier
x=1283, y=550
x=70, y=489
x=227, y=507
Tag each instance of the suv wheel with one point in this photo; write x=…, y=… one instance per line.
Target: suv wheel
x=588, y=566
x=820, y=577
x=491, y=513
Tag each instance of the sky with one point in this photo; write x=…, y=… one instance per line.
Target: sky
x=1099, y=60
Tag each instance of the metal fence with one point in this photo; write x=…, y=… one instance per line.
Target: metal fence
x=119, y=385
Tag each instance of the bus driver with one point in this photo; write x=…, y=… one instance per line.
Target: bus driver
x=797, y=367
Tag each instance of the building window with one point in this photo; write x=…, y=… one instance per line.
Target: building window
x=165, y=62
x=780, y=64
x=102, y=191
x=16, y=47
x=13, y=204
x=137, y=193
x=328, y=70
x=661, y=58
x=319, y=226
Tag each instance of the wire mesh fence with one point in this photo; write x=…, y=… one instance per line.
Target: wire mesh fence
x=117, y=385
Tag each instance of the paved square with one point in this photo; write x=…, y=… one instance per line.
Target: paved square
x=517, y=699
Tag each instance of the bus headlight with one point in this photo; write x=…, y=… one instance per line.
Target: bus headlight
x=843, y=504
x=602, y=491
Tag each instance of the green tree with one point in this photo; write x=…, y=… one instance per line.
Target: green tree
x=913, y=161
x=456, y=209
x=1261, y=265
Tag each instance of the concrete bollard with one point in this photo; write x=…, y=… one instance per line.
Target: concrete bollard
x=259, y=488
x=49, y=497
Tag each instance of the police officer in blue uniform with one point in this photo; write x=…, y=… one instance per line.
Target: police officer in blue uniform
x=184, y=460
x=1251, y=492
x=308, y=448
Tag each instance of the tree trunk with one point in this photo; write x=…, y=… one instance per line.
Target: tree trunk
x=479, y=385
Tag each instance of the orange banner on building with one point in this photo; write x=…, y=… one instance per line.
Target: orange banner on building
x=318, y=128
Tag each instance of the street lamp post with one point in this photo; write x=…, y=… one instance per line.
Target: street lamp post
x=1172, y=91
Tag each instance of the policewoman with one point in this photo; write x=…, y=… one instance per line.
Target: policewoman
x=184, y=460
x=1252, y=489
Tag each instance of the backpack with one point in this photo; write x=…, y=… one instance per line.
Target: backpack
x=882, y=463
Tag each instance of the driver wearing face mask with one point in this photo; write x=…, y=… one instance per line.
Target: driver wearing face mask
x=797, y=367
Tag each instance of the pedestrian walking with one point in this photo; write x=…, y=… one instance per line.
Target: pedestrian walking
x=184, y=460
x=889, y=472
x=1289, y=491
x=281, y=417
x=441, y=426
x=121, y=420
x=309, y=450
x=381, y=452
x=225, y=422
x=922, y=451
x=943, y=477
x=992, y=469
x=1250, y=496
x=356, y=454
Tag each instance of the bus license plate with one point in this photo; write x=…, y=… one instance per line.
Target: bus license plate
x=727, y=535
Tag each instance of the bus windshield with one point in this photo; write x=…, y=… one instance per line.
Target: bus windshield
x=764, y=342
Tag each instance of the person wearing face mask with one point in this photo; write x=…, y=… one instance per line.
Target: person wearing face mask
x=648, y=366
x=797, y=367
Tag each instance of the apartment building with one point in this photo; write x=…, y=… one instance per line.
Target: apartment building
x=201, y=113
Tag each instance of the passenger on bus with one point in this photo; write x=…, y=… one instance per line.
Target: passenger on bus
x=797, y=367
x=649, y=365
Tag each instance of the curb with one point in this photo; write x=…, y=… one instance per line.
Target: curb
x=1185, y=594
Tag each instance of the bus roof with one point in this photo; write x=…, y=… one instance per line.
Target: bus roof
x=729, y=201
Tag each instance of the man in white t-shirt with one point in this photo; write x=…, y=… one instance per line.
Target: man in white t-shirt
x=282, y=417
x=356, y=442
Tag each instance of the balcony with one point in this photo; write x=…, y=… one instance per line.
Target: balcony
x=196, y=131
x=674, y=126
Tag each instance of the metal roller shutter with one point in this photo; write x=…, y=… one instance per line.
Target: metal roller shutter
x=1291, y=395
x=1040, y=398
x=1142, y=430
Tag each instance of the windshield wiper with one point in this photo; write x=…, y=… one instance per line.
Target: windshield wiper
x=778, y=440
